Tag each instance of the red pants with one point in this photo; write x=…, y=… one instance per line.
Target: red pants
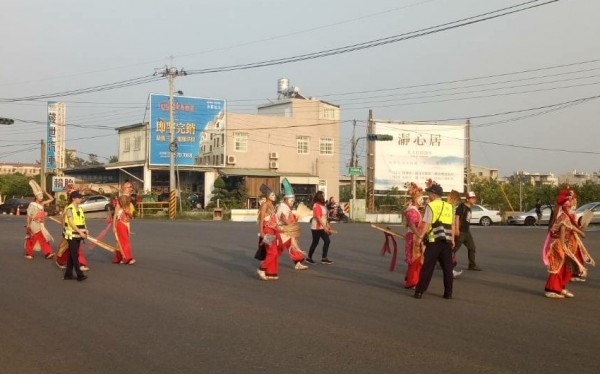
x=412, y=274
x=62, y=260
x=124, y=243
x=557, y=282
x=295, y=256
x=37, y=238
x=270, y=264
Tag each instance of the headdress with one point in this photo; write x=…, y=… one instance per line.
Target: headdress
x=413, y=190
x=566, y=194
x=37, y=190
x=287, y=188
x=265, y=190
x=433, y=187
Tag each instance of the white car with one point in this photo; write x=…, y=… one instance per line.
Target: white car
x=484, y=216
x=95, y=203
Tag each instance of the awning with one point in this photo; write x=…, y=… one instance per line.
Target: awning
x=304, y=179
x=232, y=172
x=124, y=165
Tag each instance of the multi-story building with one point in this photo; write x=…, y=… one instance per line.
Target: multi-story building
x=535, y=179
x=293, y=137
x=29, y=170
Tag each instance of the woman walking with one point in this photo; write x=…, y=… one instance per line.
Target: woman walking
x=320, y=229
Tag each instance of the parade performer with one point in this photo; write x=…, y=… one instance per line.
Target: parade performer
x=437, y=229
x=62, y=253
x=288, y=225
x=75, y=232
x=575, y=242
x=560, y=255
x=267, y=221
x=37, y=236
x=121, y=229
x=412, y=240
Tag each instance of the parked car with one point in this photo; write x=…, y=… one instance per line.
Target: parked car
x=529, y=218
x=594, y=207
x=11, y=206
x=483, y=216
x=96, y=203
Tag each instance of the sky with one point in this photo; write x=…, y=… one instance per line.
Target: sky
x=536, y=111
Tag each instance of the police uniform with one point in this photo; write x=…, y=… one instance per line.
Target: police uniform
x=74, y=240
x=438, y=246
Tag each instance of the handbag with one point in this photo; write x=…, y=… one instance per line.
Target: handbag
x=261, y=252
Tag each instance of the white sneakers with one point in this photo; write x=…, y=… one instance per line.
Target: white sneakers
x=300, y=266
x=456, y=273
x=29, y=257
x=554, y=295
x=84, y=268
x=578, y=279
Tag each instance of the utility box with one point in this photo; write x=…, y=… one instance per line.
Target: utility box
x=217, y=214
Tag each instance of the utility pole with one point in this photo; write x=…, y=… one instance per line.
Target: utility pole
x=171, y=73
x=468, y=154
x=370, y=167
x=352, y=176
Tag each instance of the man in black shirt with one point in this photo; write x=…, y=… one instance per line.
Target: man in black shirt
x=463, y=217
x=538, y=211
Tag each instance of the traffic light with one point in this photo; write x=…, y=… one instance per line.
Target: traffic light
x=379, y=137
x=6, y=121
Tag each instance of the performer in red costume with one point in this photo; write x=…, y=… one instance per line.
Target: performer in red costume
x=38, y=238
x=290, y=230
x=122, y=226
x=413, y=241
x=267, y=221
x=560, y=256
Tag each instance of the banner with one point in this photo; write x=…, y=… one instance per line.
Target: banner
x=419, y=152
x=55, y=140
x=199, y=131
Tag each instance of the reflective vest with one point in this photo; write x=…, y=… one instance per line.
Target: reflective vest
x=78, y=220
x=441, y=221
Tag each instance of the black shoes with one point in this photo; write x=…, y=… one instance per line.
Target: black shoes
x=68, y=277
x=326, y=261
x=418, y=295
x=309, y=260
x=82, y=278
x=447, y=296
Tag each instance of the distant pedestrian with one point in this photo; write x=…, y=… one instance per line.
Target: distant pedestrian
x=320, y=229
x=538, y=211
x=463, y=219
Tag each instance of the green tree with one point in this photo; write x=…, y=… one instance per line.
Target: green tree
x=220, y=193
x=15, y=185
x=113, y=159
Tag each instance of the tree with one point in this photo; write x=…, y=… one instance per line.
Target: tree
x=15, y=185
x=113, y=159
x=219, y=193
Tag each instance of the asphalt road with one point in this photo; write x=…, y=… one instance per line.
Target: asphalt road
x=193, y=304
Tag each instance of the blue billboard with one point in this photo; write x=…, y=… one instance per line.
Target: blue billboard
x=195, y=119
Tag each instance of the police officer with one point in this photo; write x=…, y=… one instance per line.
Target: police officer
x=75, y=231
x=439, y=241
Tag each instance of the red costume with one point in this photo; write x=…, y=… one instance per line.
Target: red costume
x=413, y=248
x=38, y=238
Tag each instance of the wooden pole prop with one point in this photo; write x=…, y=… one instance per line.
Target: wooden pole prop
x=387, y=231
x=99, y=243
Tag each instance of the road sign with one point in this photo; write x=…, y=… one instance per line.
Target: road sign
x=355, y=170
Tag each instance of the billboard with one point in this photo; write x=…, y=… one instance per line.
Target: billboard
x=417, y=152
x=55, y=140
x=195, y=119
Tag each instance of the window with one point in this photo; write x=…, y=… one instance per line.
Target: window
x=126, y=145
x=302, y=144
x=137, y=143
x=241, y=141
x=329, y=113
x=326, y=146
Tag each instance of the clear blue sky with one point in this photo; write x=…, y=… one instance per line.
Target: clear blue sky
x=56, y=46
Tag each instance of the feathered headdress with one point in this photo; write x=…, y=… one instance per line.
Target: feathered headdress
x=413, y=190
